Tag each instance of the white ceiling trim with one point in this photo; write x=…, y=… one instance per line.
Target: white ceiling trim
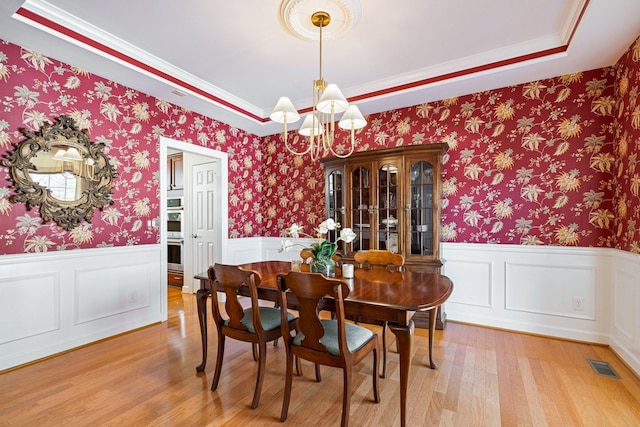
x=460, y=65
x=571, y=24
x=187, y=82
x=575, y=35
x=100, y=37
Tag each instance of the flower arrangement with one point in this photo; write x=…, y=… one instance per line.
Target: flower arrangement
x=322, y=249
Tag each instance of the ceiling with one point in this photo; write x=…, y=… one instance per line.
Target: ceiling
x=232, y=60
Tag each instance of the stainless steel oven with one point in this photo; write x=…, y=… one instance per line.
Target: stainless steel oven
x=175, y=224
x=175, y=252
x=175, y=203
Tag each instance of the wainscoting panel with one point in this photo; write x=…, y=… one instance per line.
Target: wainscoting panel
x=105, y=292
x=532, y=289
x=271, y=246
x=30, y=305
x=254, y=249
x=240, y=251
x=566, y=290
x=625, y=318
x=55, y=301
x=625, y=303
x=472, y=281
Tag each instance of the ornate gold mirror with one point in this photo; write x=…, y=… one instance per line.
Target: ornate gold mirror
x=62, y=172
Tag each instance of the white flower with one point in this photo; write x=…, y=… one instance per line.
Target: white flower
x=285, y=245
x=347, y=235
x=294, y=230
x=326, y=226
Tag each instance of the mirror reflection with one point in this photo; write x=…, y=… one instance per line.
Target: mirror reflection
x=65, y=170
x=59, y=170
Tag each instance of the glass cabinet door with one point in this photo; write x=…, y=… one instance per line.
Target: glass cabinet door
x=335, y=200
x=421, y=207
x=387, y=207
x=391, y=201
x=361, y=207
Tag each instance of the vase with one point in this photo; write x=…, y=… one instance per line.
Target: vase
x=326, y=266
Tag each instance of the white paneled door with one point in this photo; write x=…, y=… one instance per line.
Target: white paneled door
x=203, y=220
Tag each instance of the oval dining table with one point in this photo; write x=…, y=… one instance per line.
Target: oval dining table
x=375, y=296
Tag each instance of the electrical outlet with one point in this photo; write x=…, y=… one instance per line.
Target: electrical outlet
x=578, y=303
x=133, y=296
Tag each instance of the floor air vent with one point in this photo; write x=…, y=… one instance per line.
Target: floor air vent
x=603, y=368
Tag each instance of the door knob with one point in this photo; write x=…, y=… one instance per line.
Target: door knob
x=195, y=236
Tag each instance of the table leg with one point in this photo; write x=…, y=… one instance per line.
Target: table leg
x=432, y=331
x=404, y=337
x=201, y=298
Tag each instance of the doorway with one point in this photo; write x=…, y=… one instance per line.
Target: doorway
x=194, y=154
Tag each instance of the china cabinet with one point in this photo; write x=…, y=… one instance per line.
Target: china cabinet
x=390, y=198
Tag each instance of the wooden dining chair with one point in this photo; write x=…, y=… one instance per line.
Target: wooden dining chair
x=380, y=259
x=376, y=258
x=329, y=342
x=257, y=325
x=307, y=256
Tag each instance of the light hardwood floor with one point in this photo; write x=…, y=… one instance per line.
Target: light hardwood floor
x=486, y=377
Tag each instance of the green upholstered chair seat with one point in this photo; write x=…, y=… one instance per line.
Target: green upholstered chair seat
x=270, y=318
x=357, y=336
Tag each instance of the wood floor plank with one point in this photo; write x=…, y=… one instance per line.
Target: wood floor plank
x=486, y=377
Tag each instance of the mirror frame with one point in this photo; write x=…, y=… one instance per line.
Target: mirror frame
x=67, y=214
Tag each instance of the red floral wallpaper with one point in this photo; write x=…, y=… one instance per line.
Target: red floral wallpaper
x=551, y=162
x=527, y=164
x=626, y=140
x=34, y=89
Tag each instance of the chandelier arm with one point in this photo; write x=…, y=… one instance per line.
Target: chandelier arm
x=312, y=135
x=353, y=146
x=332, y=137
x=318, y=143
x=327, y=135
x=328, y=130
x=292, y=151
x=325, y=140
x=315, y=154
x=284, y=128
x=286, y=142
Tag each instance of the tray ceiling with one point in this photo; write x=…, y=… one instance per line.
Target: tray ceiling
x=232, y=60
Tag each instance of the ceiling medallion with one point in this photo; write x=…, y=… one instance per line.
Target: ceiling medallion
x=345, y=15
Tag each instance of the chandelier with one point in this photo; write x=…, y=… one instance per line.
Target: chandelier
x=71, y=162
x=319, y=124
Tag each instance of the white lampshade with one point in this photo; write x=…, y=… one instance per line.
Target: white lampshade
x=332, y=96
x=72, y=154
x=352, y=119
x=310, y=122
x=60, y=155
x=284, y=111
